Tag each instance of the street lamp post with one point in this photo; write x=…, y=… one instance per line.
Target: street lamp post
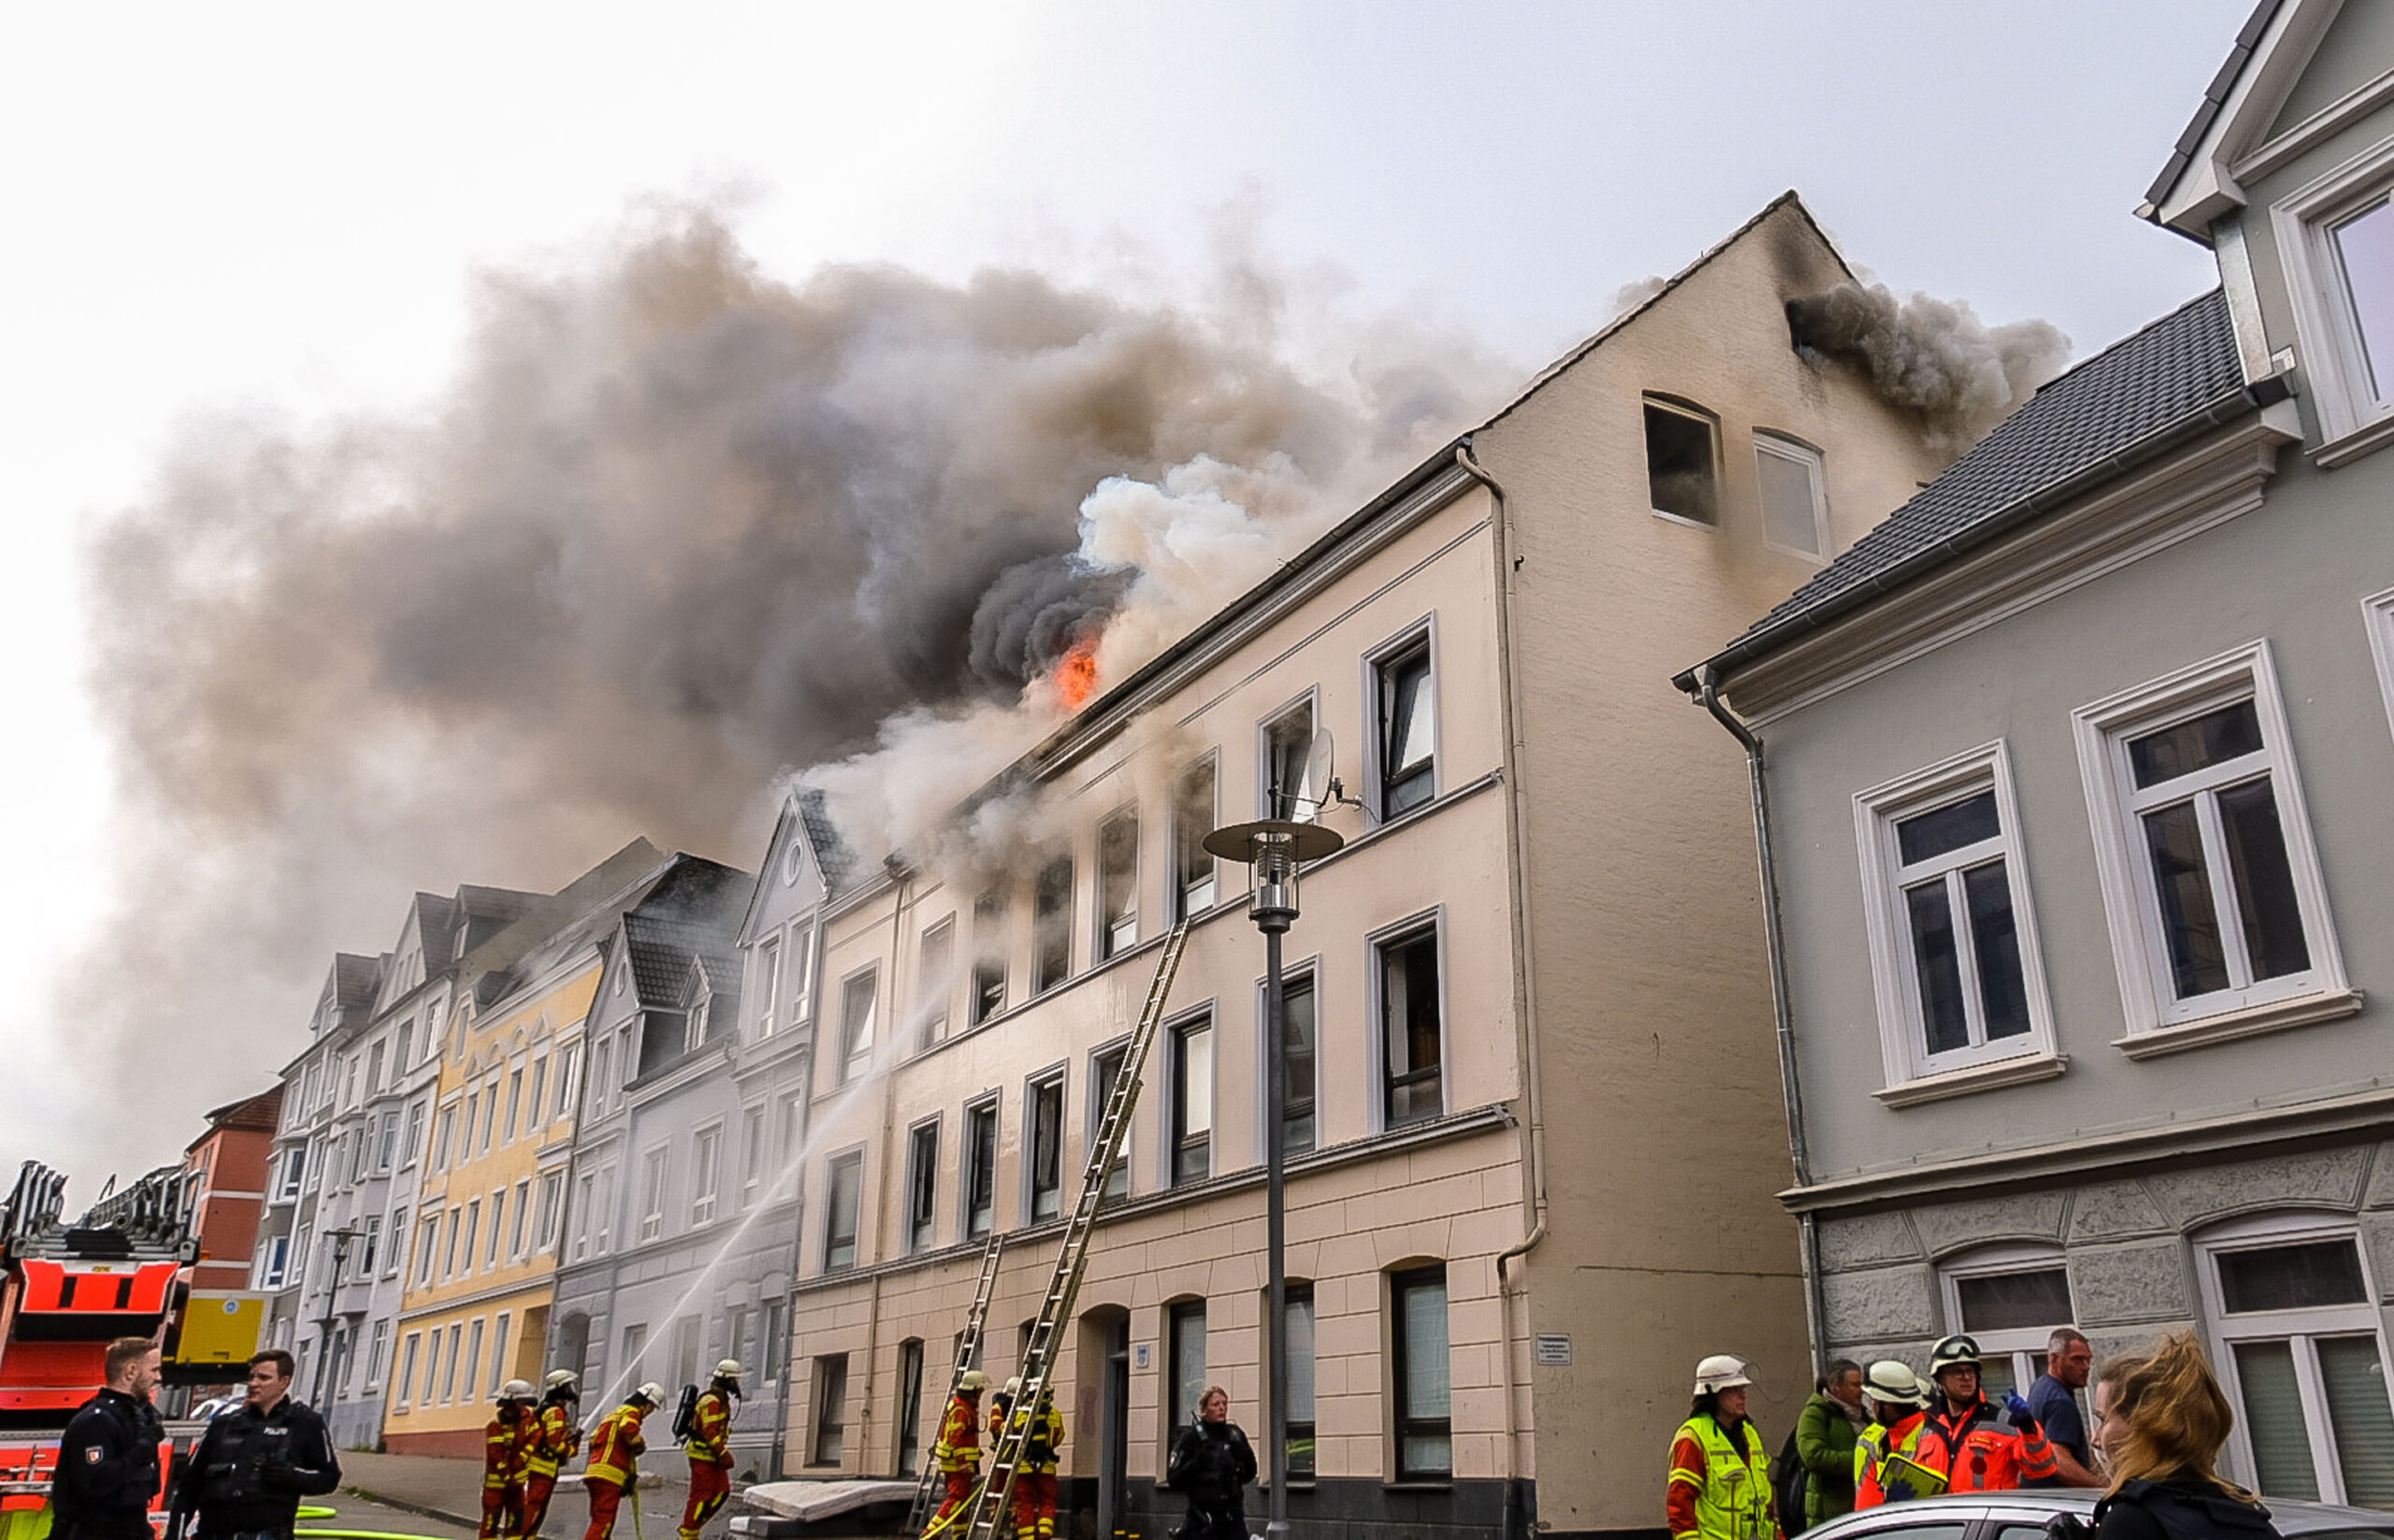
x=1272, y=849
x=340, y=1239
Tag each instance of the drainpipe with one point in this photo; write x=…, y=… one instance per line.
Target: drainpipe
x=1815, y=1316
x=1524, y=979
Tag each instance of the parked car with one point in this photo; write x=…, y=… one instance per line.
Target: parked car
x=2022, y=1515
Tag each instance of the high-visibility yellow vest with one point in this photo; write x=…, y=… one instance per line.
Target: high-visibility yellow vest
x=1733, y=1490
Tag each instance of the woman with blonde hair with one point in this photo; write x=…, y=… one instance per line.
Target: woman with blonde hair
x=2163, y=1428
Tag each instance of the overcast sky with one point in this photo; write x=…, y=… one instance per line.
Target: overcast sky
x=259, y=205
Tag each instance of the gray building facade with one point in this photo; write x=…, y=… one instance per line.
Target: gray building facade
x=684, y=1208
x=2079, y=787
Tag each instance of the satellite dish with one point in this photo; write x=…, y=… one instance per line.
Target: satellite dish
x=1321, y=759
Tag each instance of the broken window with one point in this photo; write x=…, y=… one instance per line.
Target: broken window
x=989, y=955
x=1682, y=474
x=1192, y=819
x=1117, y=885
x=1052, y=925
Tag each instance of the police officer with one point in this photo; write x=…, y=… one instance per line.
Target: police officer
x=108, y=1462
x=254, y=1463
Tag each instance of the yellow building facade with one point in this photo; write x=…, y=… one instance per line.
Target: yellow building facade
x=481, y=1242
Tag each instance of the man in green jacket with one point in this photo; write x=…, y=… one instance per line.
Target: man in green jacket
x=1825, y=1431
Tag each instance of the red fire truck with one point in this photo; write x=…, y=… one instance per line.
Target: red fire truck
x=65, y=1291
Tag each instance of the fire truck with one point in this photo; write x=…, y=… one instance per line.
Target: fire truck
x=65, y=1291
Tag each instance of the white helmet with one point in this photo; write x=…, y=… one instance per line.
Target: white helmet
x=651, y=1392
x=517, y=1390
x=972, y=1379
x=565, y=1378
x=1892, y=1383
x=1721, y=1372
x=1013, y=1386
x=728, y=1369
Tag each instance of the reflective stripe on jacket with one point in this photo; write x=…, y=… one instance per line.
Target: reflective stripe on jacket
x=554, y=1438
x=1870, y=1451
x=1042, y=1436
x=710, y=1440
x=616, y=1446
x=959, y=1437
x=1718, y=1491
x=1982, y=1451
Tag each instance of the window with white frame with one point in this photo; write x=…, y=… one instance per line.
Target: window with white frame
x=1682, y=461
x=2377, y=613
x=520, y=1226
x=1959, y=979
x=652, y=1193
x=2210, y=879
x=989, y=955
x=1051, y=924
x=1792, y=484
x=1044, y=1157
x=2011, y=1300
x=1298, y=1133
x=980, y=1184
x=274, y=1261
x=706, y=1173
x=859, y=995
x=752, y=1153
x=548, y=1216
x=1286, y=767
x=1192, y=819
x=1412, y=1035
x=798, y=983
x=1117, y=883
x=922, y=1185
x=844, y=1202
x=2336, y=236
x=1405, y=717
x=1105, y=1067
x=768, y=983
x=2290, y=1303
x=934, y=982
x=1192, y=1070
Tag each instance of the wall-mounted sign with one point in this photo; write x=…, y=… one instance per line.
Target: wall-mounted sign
x=1553, y=1349
x=1139, y=1359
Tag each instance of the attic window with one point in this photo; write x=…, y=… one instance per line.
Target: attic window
x=1682, y=471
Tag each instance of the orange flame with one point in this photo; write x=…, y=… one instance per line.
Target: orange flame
x=1075, y=676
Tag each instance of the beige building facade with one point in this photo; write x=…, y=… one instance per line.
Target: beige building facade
x=1536, y=1123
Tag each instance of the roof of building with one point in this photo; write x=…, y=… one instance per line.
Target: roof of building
x=2223, y=84
x=671, y=956
x=832, y=856
x=353, y=978
x=262, y=1110
x=2131, y=396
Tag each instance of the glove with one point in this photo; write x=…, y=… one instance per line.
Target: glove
x=2022, y=1417
x=2067, y=1526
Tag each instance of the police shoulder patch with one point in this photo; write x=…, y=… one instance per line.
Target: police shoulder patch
x=91, y=1454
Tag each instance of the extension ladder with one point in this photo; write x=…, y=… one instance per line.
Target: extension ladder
x=993, y=1503
x=968, y=1353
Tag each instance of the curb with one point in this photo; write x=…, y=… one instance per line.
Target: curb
x=422, y=1510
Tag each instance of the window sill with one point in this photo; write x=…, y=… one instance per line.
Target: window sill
x=2252, y=1021
x=1978, y=1077
x=2355, y=445
x=1419, y=1483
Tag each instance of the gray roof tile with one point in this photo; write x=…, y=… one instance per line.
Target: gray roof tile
x=2140, y=386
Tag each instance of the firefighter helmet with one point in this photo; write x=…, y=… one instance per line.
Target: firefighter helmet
x=562, y=1379
x=972, y=1379
x=517, y=1390
x=1892, y=1383
x=1721, y=1372
x=651, y=1392
x=1014, y=1387
x=1954, y=1352
x=728, y=1369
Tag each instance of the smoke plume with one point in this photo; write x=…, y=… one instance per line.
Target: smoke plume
x=678, y=528
x=1932, y=357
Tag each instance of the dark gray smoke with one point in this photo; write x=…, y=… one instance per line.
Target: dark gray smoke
x=678, y=526
x=1932, y=357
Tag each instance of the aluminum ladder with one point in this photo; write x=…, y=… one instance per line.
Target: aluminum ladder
x=993, y=1505
x=968, y=1354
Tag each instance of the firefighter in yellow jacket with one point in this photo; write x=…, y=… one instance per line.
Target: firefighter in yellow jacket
x=1042, y=1429
x=1720, y=1482
x=958, y=1449
x=557, y=1437
x=709, y=1447
x=507, y=1445
x=616, y=1449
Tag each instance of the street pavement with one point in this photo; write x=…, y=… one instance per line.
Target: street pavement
x=441, y=1497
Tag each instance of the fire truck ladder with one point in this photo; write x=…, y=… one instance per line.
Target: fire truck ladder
x=968, y=1353
x=993, y=1503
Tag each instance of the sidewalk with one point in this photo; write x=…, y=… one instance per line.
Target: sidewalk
x=451, y=1490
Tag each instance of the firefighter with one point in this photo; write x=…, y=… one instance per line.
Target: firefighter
x=507, y=1450
x=1976, y=1445
x=1720, y=1481
x=1892, y=1394
x=557, y=1437
x=710, y=1448
x=1034, y=1481
x=958, y=1449
x=616, y=1447
x=1002, y=1407
x=108, y=1458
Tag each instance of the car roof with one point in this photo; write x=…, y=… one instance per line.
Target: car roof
x=2292, y=1515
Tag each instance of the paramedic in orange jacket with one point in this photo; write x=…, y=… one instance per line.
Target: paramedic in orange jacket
x=958, y=1449
x=1977, y=1445
x=507, y=1442
x=616, y=1449
x=710, y=1448
x=555, y=1437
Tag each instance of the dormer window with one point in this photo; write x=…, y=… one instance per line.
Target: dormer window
x=2337, y=238
x=1682, y=461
